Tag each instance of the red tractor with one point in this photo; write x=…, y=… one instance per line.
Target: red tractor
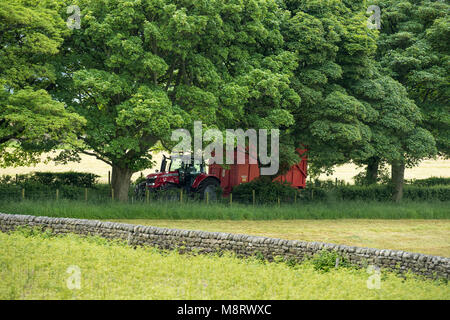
x=175, y=175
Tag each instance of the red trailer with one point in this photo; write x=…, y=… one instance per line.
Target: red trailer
x=241, y=173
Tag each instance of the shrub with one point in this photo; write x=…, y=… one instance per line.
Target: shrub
x=266, y=191
x=433, y=181
x=376, y=193
x=53, y=179
x=326, y=260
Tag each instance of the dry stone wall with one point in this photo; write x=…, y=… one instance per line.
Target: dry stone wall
x=243, y=245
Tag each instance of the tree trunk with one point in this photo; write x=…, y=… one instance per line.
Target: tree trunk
x=398, y=176
x=373, y=165
x=120, y=182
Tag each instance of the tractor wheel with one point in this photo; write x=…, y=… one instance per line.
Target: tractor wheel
x=209, y=186
x=139, y=191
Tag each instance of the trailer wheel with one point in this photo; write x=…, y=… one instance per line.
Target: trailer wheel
x=209, y=186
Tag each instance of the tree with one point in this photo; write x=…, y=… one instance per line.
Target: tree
x=137, y=70
x=413, y=49
x=350, y=109
x=31, y=122
x=398, y=137
x=333, y=48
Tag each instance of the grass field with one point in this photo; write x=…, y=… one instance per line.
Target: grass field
x=42, y=267
x=196, y=210
x=423, y=236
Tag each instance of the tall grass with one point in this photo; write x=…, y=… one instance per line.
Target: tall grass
x=37, y=266
x=220, y=211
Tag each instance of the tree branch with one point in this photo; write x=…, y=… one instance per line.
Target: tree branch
x=96, y=155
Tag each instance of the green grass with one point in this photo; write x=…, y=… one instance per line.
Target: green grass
x=196, y=210
x=35, y=267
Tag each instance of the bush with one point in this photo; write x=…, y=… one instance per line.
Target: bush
x=326, y=260
x=39, y=191
x=433, y=181
x=266, y=191
x=376, y=193
x=53, y=179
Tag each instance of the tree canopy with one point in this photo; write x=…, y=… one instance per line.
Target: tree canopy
x=136, y=70
x=413, y=48
x=31, y=122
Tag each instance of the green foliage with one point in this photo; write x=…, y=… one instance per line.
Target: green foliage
x=266, y=191
x=413, y=48
x=428, y=182
x=325, y=260
x=137, y=70
x=38, y=191
x=31, y=122
x=53, y=179
x=333, y=48
x=379, y=193
x=35, y=232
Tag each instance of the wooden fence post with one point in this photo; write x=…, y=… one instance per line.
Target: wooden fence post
x=85, y=194
x=147, y=196
x=112, y=194
x=109, y=177
x=57, y=194
x=253, y=195
x=231, y=199
x=23, y=194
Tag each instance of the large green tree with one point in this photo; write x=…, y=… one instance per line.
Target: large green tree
x=333, y=48
x=413, y=48
x=350, y=109
x=137, y=70
x=31, y=122
x=397, y=135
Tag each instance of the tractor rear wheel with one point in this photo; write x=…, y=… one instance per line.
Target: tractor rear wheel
x=209, y=186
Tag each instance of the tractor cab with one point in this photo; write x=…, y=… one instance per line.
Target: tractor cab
x=178, y=163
